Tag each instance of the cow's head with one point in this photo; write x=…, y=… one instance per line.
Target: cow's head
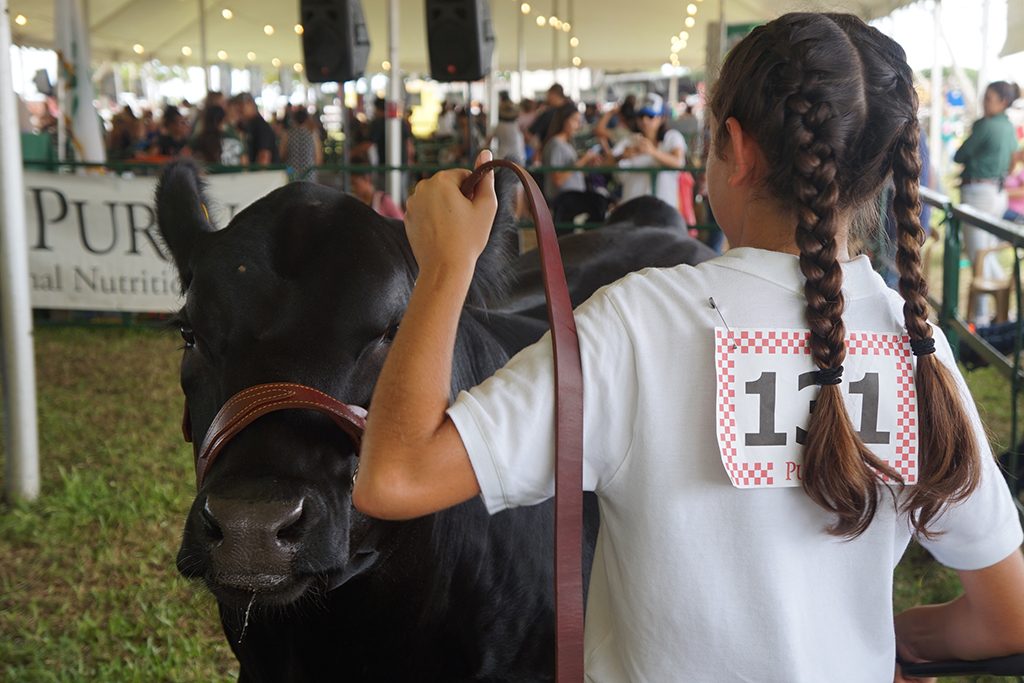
x=306, y=285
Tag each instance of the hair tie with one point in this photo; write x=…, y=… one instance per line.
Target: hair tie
x=829, y=376
x=922, y=347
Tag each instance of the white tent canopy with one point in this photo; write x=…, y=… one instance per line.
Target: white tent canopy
x=613, y=34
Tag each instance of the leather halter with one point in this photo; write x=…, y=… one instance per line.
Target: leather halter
x=250, y=404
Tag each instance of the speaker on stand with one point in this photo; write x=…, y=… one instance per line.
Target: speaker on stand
x=335, y=46
x=460, y=39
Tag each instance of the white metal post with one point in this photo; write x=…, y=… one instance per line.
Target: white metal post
x=202, y=46
x=19, y=380
x=393, y=123
x=520, y=56
x=938, y=161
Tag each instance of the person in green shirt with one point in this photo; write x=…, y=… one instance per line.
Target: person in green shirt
x=986, y=156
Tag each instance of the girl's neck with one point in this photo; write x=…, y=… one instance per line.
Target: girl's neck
x=766, y=225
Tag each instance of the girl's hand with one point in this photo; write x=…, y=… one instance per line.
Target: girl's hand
x=444, y=227
x=645, y=146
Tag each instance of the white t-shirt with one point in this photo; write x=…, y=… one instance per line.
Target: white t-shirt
x=693, y=579
x=635, y=184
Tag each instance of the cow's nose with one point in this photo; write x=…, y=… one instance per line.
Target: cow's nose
x=252, y=537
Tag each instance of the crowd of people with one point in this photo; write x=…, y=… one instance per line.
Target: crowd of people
x=587, y=157
x=223, y=131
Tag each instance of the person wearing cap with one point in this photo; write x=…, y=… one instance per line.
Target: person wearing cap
x=654, y=145
x=506, y=139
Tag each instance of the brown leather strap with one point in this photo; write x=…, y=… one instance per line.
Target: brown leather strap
x=568, y=432
x=248, y=405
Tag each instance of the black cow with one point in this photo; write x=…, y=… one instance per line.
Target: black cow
x=308, y=285
x=643, y=232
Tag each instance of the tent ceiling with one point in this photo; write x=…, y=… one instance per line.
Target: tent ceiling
x=614, y=34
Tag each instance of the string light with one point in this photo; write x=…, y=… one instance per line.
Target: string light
x=576, y=61
x=298, y=67
x=691, y=9
x=566, y=26
x=298, y=29
x=251, y=56
x=226, y=13
x=268, y=29
x=138, y=49
x=21, y=20
x=574, y=41
x=689, y=22
x=525, y=8
x=541, y=20
x=186, y=50
x=222, y=55
x=386, y=65
x=276, y=62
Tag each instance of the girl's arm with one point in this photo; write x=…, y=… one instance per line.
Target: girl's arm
x=986, y=621
x=413, y=461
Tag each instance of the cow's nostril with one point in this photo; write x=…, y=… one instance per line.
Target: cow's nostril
x=290, y=528
x=210, y=523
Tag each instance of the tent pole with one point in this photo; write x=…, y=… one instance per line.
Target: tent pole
x=986, y=12
x=202, y=46
x=393, y=128
x=935, y=110
x=520, y=55
x=19, y=381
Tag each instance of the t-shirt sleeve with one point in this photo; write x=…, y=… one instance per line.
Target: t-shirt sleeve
x=507, y=422
x=673, y=140
x=561, y=154
x=985, y=528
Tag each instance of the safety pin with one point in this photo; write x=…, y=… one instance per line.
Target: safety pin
x=711, y=300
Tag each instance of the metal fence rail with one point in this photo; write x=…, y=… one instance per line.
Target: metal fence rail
x=958, y=330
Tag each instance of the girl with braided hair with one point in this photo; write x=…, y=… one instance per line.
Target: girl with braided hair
x=747, y=532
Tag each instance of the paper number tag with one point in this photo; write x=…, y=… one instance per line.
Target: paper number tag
x=765, y=394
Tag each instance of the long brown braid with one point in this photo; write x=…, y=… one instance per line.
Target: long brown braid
x=949, y=466
x=831, y=115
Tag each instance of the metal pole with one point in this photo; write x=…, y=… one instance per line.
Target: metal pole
x=346, y=147
x=554, y=43
x=938, y=96
x=520, y=56
x=492, y=92
x=202, y=46
x=986, y=11
x=393, y=128
x=19, y=381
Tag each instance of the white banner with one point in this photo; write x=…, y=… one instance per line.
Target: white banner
x=94, y=243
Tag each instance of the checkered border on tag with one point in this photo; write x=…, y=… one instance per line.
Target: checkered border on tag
x=796, y=342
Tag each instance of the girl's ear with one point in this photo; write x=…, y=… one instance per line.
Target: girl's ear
x=742, y=155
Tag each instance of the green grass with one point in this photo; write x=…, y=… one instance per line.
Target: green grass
x=88, y=589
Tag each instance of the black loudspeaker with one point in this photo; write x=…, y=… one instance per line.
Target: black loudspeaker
x=335, y=42
x=460, y=37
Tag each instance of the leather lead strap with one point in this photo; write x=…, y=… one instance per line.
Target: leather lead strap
x=568, y=432
x=248, y=405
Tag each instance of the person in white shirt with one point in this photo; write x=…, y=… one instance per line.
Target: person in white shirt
x=655, y=145
x=708, y=569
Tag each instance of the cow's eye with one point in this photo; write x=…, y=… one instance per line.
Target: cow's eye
x=389, y=334
x=188, y=336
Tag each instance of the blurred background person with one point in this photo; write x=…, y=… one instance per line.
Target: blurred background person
x=173, y=138
x=986, y=157
x=506, y=140
x=215, y=144
x=301, y=147
x=261, y=142
x=560, y=152
x=366, y=191
x=654, y=145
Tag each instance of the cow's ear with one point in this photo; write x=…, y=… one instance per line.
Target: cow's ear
x=491, y=279
x=182, y=214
